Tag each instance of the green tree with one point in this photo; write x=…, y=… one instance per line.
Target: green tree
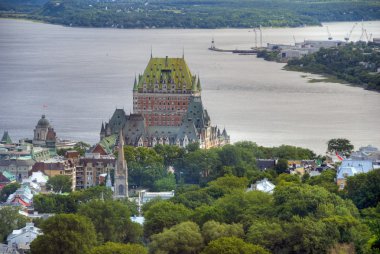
x=232, y=245
x=194, y=198
x=184, y=238
x=326, y=180
x=65, y=234
x=111, y=219
x=267, y=233
x=199, y=165
x=145, y=166
x=81, y=147
x=371, y=217
x=59, y=184
x=10, y=219
x=164, y=214
x=364, y=189
x=119, y=248
x=304, y=200
x=227, y=184
x=340, y=145
x=170, y=153
x=213, y=230
x=8, y=190
x=165, y=184
x=285, y=178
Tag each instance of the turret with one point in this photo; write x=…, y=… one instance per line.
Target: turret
x=194, y=87
x=135, y=86
x=102, y=132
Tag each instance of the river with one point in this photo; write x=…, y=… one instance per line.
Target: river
x=82, y=74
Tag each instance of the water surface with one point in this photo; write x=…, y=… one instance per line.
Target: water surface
x=83, y=74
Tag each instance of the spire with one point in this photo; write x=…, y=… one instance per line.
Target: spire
x=102, y=130
x=135, y=84
x=194, y=88
x=6, y=138
x=199, y=84
x=108, y=181
x=183, y=52
x=120, y=157
x=151, y=52
x=121, y=173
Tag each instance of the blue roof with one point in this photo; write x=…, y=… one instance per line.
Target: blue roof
x=353, y=167
x=362, y=166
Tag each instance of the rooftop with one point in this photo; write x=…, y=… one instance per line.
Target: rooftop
x=171, y=71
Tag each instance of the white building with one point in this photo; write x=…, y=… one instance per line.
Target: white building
x=21, y=238
x=263, y=185
x=147, y=196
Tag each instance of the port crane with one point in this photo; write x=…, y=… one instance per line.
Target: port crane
x=328, y=33
x=347, y=38
x=254, y=30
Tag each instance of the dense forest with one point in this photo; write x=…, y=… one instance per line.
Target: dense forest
x=355, y=63
x=212, y=211
x=190, y=14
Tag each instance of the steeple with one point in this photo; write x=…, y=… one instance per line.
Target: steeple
x=199, y=84
x=121, y=173
x=135, y=87
x=120, y=156
x=108, y=181
x=6, y=138
x=194, y=88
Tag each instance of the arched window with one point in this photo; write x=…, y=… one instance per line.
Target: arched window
x=121, y=189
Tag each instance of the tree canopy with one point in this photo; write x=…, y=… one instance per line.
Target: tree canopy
x=111, y=219
x=65, y=234
x=10, y=220
x=233, y=245
x=59, y=184
x=119, y=248
x=340, y=145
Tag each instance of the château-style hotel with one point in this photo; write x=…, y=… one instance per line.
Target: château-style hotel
x=167, y=109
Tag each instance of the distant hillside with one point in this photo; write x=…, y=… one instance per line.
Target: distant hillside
x=21, y=5
x=193, y=13
x=355, y=63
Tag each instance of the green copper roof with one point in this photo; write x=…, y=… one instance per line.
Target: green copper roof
x=169, y=71
x=108, y=143
x=6, y=138
x=10, y=176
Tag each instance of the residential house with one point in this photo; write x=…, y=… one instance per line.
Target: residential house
x=263, y=185
x=264, y=164
x=57, y=166
x=19, y=167
x=351, y=168
x=21, y=238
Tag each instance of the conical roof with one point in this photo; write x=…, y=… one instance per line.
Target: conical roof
x=6, y=138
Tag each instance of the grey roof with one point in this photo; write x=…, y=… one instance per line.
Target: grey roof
x=118, y=120
x=134, y=128
x=188, y=129
x=6, y=163
x=197, y=113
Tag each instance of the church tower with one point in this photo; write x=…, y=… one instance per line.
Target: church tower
x=121, y=173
